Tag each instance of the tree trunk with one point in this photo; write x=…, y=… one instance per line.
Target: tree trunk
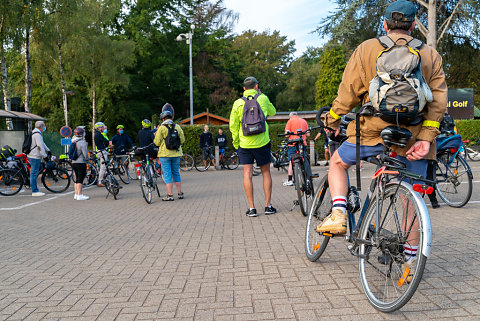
x=94, y=112
x=432, y=24
x=62, y=75
x=6, y=93
x=28, y=75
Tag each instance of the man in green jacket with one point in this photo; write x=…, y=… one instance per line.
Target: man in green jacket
x=253, y=147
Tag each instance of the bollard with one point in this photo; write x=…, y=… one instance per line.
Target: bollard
x=217, y=158
x=312, y=153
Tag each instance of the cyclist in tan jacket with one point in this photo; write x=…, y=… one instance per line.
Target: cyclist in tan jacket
x=353, y=90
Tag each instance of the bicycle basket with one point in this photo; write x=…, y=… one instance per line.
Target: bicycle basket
x=449, y=142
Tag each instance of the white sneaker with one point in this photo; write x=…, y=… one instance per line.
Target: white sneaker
x=75, y=196
x=288, y=183
x=82, y=197
x=38, y=194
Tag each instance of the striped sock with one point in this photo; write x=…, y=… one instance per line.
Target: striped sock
x=340, y=202
x=410, y=252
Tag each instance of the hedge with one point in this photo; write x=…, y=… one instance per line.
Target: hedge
x=469, y=129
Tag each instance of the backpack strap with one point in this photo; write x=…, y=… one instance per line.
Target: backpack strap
x=386, y=42
x=415, y=44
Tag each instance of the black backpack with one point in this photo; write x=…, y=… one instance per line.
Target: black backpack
x=72, y=151
x=27, y=143
x=447, y=125
x=253, y=120
x=172, y=141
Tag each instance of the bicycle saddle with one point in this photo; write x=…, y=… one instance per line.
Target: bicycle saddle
x=393, y=135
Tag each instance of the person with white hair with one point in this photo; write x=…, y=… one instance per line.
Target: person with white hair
x=38, y=150
x=294, y=124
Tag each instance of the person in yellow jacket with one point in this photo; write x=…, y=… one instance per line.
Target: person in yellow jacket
x=169, y=159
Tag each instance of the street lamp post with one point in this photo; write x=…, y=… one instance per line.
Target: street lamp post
x=189, y=37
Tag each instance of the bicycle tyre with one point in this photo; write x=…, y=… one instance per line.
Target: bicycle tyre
x=300, y=186
x=56, y=180
x=91, y=177
x=372, y=265
x=452, y=178
x=200, y=165
x=11, y=182
x=233, y=161
x=112, y=185
x=146, y=191
x=122, y=173
x=316, y=243
x=186, y=162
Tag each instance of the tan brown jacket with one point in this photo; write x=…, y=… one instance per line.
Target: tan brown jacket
x=358, y=73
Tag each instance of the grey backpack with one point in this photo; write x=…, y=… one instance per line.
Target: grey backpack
x=253, y=120
x=399, y=91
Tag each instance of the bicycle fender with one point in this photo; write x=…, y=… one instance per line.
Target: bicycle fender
x=427, y=226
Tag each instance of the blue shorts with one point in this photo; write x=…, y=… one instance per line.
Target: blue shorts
x=292, y=150
x=261, y=155
x=347, y=152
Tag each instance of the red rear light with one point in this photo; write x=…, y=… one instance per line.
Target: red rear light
x=424, y=189
x=138, y=165
x=393, y=154
x=453, y=150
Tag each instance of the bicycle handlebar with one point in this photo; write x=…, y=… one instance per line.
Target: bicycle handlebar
x=299, y=132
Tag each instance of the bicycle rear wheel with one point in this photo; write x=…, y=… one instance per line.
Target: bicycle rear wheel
x=316, y=243
x=145, y=187
x=200, y=163
x=112, y=185
x=454, y=181
x=66, y=165
x=389, y=277
x=11, y=182
x=232, y=160
x=91, y=177
x=56, y=180
x=186, y=162
x=301, y=187
x=122, y=173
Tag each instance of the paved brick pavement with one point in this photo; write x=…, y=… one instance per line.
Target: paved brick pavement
x=201, y=258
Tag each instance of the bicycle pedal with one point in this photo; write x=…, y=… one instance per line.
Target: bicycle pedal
x=316, y=175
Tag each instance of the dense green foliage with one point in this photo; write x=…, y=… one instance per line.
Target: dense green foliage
x=332, y=64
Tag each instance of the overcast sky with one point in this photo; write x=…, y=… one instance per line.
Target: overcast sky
x=295, y=19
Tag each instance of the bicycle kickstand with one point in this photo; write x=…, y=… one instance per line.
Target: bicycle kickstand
x=295, y=203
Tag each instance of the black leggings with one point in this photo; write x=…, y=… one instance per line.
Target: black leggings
x=80, y=170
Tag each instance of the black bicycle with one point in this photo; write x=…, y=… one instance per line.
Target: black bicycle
x=111, y=183
x=17, y=174
x=302, y=171
x=280, y=156
x=146, y=173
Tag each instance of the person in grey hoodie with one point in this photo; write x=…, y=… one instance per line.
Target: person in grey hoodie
x=38, y=150
x=79, y=165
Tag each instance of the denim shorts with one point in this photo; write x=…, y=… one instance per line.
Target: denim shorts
x=347, y=152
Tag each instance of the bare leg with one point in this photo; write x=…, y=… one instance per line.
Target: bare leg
x=290, y=168
x=248, y=184
x=337, y=176
x=178, y=185
x=169, y=188
x=267, y=183
x=327, y=155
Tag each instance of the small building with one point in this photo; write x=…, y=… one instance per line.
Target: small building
x=282, y=116
x=206, y=118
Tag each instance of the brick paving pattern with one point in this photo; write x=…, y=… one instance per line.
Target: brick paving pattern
x=201, y=258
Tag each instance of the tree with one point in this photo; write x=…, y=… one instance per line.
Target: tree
x=300, y=88
x=332, y=65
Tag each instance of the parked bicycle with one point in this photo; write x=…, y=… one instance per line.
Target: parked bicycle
x=280, y=156
x=205, y=159
x=186, y=162
x=16, y=173
x=302, y=172
x=393, y=218
x=471, y=152
x=111, y=183
x=454, y=178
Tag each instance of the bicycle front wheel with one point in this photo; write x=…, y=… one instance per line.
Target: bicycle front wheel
x=316, y=243
x=454, y=180
x=232, y=161
x=66, y=165
x=391, y=257
x=112, y=185
x=301, y=187
x=56, y=180
x=91, y=177
x=202, y=165
x=11, y=182
x=145, y=187
x=186, y=162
